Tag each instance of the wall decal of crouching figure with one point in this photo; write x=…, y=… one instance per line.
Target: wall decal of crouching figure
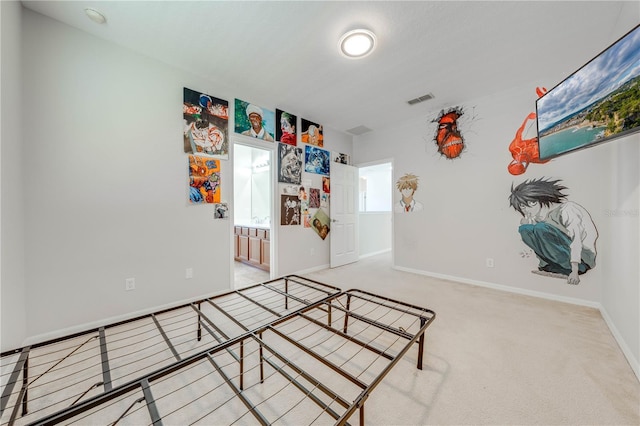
x=560, y=232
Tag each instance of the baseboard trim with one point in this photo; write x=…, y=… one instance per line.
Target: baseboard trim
x=310, y=270
x=525, y=292
x=626, y=351
x=633, y=362
x=364, y=256
x=110, y=320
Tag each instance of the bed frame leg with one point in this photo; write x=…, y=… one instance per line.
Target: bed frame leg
x=421, y=344
x=199, y=323
x=286, y=290
x=261, y=361
x=241, y=364
x=346, y=314
x=25, y=383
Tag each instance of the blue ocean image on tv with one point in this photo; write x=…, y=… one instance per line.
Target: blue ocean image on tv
x=599, y=102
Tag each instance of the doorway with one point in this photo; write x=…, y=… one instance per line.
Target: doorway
x=252, y=214
x=375, y=208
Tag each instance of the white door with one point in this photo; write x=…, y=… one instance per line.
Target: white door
x=344, y=214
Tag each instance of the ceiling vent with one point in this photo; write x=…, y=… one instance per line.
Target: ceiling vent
x=360, y=130
x=420, y=99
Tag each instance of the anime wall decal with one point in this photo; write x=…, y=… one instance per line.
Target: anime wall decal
x=561, y=233
x=448, y=137
x=407, y=185
x=525, y=151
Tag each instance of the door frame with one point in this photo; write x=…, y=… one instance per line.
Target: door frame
x=391, y=190
x=273, y=229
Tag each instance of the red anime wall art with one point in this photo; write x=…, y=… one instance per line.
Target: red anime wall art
x=525, y=151
x=448, y=137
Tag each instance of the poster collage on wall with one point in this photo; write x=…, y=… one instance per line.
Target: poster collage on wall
x=206, y=141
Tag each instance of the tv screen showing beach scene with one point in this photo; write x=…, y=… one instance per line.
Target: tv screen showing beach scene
x=597, y=103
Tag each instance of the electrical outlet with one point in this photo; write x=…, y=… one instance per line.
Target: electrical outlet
x=130, y=284
x=188, y=273
x=489, y=262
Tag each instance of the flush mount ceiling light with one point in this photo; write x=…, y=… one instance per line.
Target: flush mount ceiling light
x=95, y=16
x=357, y=43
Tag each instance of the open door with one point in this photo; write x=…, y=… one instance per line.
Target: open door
x=344, y=214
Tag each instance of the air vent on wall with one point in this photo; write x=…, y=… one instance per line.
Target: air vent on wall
x=360, y=130
x=420, y=99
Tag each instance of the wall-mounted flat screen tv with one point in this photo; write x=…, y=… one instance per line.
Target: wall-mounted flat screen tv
x=597, y=103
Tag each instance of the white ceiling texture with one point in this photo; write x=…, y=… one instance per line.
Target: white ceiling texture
x=284, y=54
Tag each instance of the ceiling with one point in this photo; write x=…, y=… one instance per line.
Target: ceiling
x=284, y=54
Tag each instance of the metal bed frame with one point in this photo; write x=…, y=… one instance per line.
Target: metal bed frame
x=290, y=351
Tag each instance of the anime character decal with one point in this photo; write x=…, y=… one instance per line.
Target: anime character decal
x=561, y=233
x=448, y=137
x=525, y=151
x=407, y=185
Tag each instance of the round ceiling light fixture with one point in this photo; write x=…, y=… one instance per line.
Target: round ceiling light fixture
x=95, y=16
x=357, y=43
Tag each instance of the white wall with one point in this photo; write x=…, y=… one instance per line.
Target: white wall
x=12, y=291
x=375, y=232
x=104, y=182
x=467, y=217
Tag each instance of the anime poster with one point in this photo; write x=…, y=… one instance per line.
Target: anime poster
x=205, y=124
x=320, y=223
x=303, y=196
x=204, y=180
x=341, y=158
x=314, y=198
x=290, y=210
x=316, y=160
x=254, y=121
x=221, y=211
x=326, y=185
x=560, y=232
x=306, y=220
x=324, y=201
x=289, y=164
x=286, y=127
x=311, y=133
x=407, y=185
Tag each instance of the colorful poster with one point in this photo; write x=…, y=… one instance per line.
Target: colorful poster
x=316, y=160
x=205, y=124
x=289, y=164
x=314, y=198
x=290, y=210
x=326, y=185
x=286, y=127
x=311, y=133
x=320, y=224
x=204, y=180
x=254, y=121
